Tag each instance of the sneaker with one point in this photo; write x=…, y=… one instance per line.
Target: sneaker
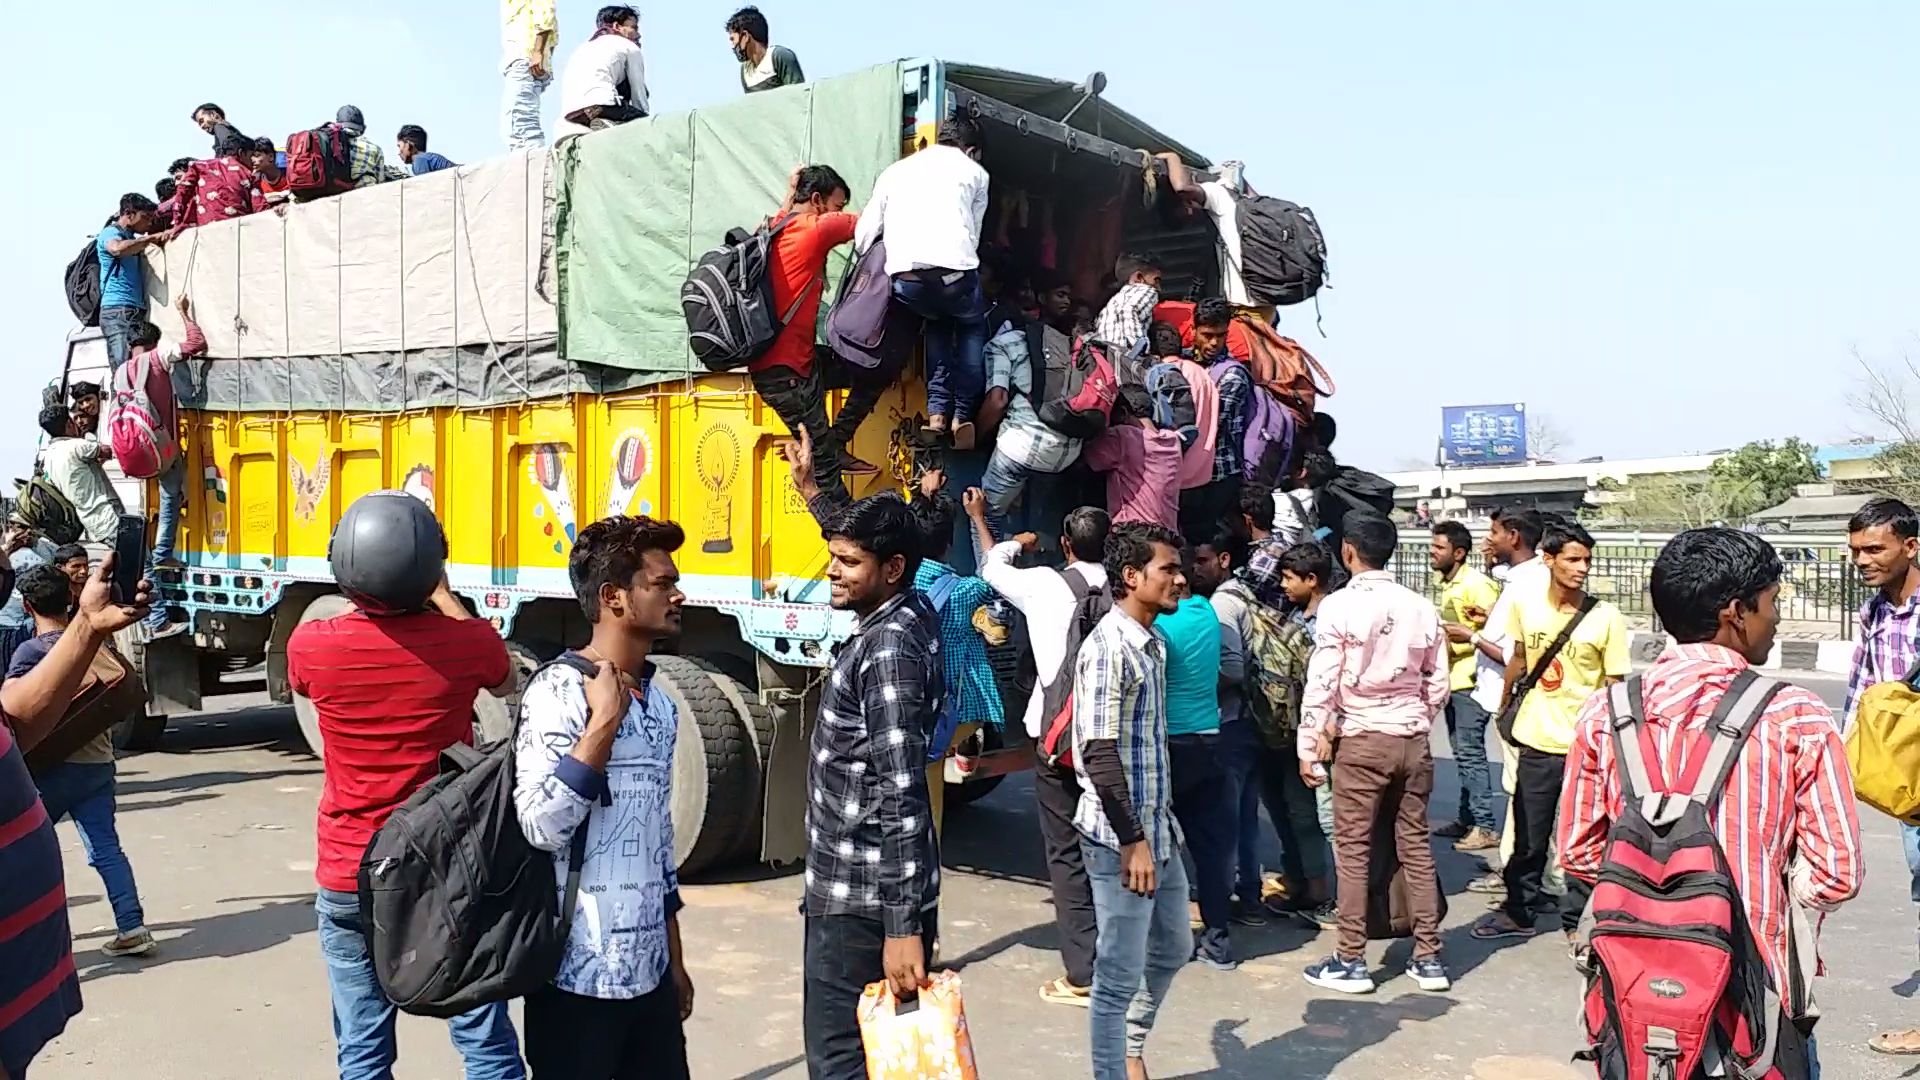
x=1246, y=914
x=1345, y=976
x=1493, y=884
x=1478, y=839
x=1217, y=957
x=853, y=466
x=1430, y=975
x=1322, y=916
x=135, y=942
x=169, y=563
x=1452, y=830
x=165, y=630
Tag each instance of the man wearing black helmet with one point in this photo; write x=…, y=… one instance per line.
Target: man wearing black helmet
x=393, y=681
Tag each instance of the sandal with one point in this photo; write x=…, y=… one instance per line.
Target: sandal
x=1061, y=992
x=1497, y=927
x=1897, y=1043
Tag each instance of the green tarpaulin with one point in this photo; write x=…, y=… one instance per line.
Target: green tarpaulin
x=637, y=205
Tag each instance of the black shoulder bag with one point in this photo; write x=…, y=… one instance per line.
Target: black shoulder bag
x=1527, y=682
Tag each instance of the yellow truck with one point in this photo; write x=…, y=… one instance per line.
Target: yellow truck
x=504, y=341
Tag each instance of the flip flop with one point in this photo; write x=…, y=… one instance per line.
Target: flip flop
x=1493, y=928
x=1061, y=992
x=1896, y=1043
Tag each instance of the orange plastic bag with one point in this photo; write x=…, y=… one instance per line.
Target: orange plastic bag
x=927, y=1040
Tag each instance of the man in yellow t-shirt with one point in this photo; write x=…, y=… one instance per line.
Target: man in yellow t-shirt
x=1467, y=594
x=1595, y=655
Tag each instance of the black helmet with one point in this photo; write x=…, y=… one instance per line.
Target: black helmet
x=388, y=553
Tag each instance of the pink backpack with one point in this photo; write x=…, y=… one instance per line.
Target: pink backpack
x=141, y=426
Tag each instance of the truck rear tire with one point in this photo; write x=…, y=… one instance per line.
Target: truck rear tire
x=493, y=716
x=758, y=720
x=711, y=775
x=323, y=607
x=144, y=730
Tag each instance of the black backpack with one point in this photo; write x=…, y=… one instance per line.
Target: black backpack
x=458, y=907
x=83, y=282
x=1283, y=254
x=728, y=299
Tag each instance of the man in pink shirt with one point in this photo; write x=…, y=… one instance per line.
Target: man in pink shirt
x=1377, y=679
x=1142, y=463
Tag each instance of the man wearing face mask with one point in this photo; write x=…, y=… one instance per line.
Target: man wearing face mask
x=762, y=66
x=873, y=863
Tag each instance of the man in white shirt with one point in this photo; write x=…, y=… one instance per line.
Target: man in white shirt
x=606, y=79
x=1049, y=599
x=1221, y=200
x=73, y=465
x=929, y=207
x=1511, y=539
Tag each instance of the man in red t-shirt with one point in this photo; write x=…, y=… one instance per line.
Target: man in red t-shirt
x=392, y=692
x=786, y=376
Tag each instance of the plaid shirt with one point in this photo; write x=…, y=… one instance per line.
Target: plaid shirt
x=215, y=190
x=1120, y=694
x=367, y=163
x=970, y=682
x=1786, y=821
x=1022, y=438
x=1888, y=643
x=870, y=843
x=1236, y=400
x=1125, y=319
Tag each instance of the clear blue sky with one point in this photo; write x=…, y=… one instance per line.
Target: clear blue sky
x=1665, y=226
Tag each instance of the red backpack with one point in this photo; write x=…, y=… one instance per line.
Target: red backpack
x=319, y=162
x=1074, y=385
x=1676, y=986
x=1090, y=605
x=142, y=426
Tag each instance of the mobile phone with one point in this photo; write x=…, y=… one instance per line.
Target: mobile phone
x=129, y=557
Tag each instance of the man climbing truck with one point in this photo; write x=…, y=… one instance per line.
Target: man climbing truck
x=505, y=342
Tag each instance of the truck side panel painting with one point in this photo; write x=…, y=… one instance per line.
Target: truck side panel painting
x=500, y=341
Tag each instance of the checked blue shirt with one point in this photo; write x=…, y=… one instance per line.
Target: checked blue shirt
x=970, y=680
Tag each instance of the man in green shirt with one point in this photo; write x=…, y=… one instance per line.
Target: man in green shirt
x=1191, y=636
x=762, y=66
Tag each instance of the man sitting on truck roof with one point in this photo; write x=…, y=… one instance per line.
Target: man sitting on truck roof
x=606, y=78
x=929, y=208
x=415, y=155
x=366, y=162
x=218, y=188
x=786, y=376
x=762, y=66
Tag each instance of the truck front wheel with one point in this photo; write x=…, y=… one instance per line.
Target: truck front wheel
x=712, y=772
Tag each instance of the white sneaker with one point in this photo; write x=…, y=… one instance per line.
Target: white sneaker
x=1345, y=976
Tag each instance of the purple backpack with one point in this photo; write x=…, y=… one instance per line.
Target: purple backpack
x=866, y=326
x=1267, y=449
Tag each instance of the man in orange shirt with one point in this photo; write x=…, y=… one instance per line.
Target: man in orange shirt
x=787, y=376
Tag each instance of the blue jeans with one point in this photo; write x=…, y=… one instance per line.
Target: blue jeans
x=520, y=108
x=118, y=325
x=1910, y=840
x=85, y=792
x=1240, y=759
x=1143, y=942
x=956, y=338
x=173, y=496
x=363, y=1017
x=1467, y=731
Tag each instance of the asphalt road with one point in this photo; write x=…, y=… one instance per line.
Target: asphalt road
x=219, y=826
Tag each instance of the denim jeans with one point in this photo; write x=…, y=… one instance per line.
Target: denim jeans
x=84, y=791
x=956, y=338
x=1143, y=943
x=363, y=1017
x=1241, y=752
x=520, y=110
x=1003, y=482
x=118, y=325
x=1910, y=841
x=1467, y=732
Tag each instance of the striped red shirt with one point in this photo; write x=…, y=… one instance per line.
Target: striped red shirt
x=38, y=988
x=1786, y=820
x=392, y=692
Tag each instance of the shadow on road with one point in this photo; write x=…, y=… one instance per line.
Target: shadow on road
x=196, y=782
x=227, y=934
x=1330, y=1032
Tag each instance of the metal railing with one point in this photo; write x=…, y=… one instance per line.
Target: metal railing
x=1820, y=594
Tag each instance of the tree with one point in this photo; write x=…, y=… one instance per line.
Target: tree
x=1761, y=474
x=1545, y=438
x=1661, y=501
x=1884, y=398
